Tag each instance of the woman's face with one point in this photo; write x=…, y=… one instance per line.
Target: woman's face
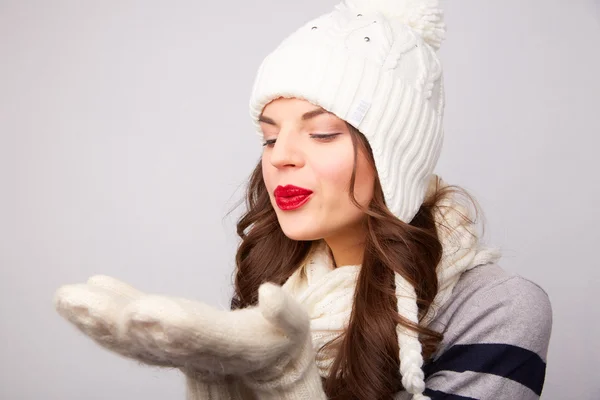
x=307, y=164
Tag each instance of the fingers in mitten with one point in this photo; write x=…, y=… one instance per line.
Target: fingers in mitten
x=92, y=310
x=283, y=311
x=197, y=336
x=189, y=334
x=95, y=312
x=165, y=327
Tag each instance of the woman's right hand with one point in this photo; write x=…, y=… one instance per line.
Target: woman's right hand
x=175, y=332
x=96, y=309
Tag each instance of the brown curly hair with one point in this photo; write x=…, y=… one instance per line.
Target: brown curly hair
x=366, y=366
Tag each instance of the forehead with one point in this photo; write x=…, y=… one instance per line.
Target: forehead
x=293, y=108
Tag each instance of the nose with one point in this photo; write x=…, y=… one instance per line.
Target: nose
x=286, y=152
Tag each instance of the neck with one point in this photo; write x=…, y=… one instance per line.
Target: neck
x=347, y=248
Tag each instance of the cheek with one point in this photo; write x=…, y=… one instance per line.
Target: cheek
x=267, y=173
x=334, y=173
x=269, y=178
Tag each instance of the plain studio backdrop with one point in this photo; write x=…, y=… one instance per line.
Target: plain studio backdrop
x=125, y=140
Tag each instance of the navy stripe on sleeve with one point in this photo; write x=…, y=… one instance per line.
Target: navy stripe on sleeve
x=505, y=360
x=437, y=395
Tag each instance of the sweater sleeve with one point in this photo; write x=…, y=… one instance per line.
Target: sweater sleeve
x=495, y=344
x=225, y=388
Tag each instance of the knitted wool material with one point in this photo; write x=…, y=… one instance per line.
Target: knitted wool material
x=327, y=292
x=224, y=388
x=374, y=65
x=266, y=347
x=270, y=348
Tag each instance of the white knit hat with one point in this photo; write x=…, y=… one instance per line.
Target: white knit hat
x=373, y=63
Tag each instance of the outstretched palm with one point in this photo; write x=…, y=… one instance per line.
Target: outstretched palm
x=186, y=334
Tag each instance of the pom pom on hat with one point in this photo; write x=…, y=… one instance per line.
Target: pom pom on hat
x=424, y=16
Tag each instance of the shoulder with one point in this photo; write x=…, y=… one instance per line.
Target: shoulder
x=495, y=283
x=496, y=328
x=489, y=304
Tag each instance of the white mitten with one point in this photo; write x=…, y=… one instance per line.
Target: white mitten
x=96, y=308
x=268, y=345
x=294, y=375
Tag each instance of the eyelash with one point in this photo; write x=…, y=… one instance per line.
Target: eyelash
x=321, y=136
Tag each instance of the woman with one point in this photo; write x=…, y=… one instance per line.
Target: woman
x=360, y=274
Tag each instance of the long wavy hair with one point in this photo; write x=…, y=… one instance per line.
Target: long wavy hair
x=366, y=365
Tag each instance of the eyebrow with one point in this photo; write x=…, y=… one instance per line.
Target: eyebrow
x=305, y=116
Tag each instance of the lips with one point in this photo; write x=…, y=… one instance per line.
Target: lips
x=291, y=197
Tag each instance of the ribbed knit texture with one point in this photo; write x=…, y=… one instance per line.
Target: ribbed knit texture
x=378, y=74
x=221, y=389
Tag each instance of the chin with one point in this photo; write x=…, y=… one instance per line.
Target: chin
x=299, y=235
x=298, y=232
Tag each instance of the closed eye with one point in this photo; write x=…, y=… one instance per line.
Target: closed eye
x=324, y=136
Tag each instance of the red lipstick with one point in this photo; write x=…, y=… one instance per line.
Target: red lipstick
x=290, y=197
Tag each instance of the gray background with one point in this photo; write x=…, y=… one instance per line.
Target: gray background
x=125, y=140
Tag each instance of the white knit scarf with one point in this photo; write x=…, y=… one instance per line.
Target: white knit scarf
x=327, y=292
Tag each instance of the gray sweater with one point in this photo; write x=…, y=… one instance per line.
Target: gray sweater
x=496, y=329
